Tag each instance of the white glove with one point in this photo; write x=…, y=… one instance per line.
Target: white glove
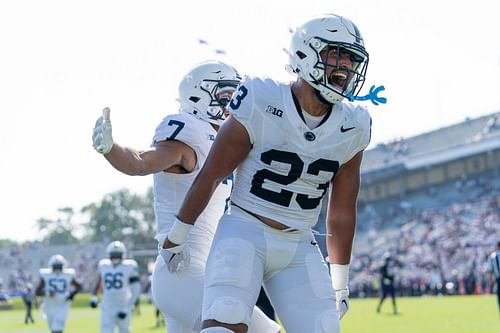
x=177, y=258
x=340, y=280
x=102, y=138
x=342, y=302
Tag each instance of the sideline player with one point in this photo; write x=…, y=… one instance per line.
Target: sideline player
x=120, y=284
x=179, y=149
x=494, y=269
x=28, y=299
x=291, y=144
x=58, y=285
x=387, y=287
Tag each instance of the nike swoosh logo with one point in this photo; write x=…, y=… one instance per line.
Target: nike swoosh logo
x=345, y=303
x=342, y=129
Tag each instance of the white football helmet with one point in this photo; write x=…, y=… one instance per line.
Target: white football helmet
x=116, y=252
x=57, y=262
x=206, y=90
x=329, y=33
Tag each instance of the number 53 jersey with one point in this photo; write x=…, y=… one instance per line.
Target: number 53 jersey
x=57, y=285
x=115, y=281
x=290, y=166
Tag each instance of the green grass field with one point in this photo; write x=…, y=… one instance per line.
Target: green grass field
x=459, y=314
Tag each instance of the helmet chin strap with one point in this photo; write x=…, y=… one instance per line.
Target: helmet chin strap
x=322, y=99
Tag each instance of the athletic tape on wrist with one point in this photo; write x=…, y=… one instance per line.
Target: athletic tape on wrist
x=179, y=232
x=340, y=276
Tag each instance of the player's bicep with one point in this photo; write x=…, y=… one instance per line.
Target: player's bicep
x=166, y=154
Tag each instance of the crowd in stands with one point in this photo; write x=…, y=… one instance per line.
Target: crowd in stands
x=439, y=238
x=440, y=245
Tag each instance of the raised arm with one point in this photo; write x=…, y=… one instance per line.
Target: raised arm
x=162, y=156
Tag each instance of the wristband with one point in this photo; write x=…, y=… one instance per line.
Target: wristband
x=340, y=276
x=179, y=232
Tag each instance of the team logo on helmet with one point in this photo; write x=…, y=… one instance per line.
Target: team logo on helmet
x=312, y=49
x=206, y=90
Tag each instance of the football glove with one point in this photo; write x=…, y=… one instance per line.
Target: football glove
x=102, y=138
x=93, y=301
x=177, y=258
x=340, y=280
x=342, y=302
x=122, y=314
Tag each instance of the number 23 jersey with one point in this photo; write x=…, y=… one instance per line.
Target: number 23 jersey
x=290, y=166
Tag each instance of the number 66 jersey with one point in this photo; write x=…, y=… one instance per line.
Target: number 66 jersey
x=290, y=166
x=116, y=281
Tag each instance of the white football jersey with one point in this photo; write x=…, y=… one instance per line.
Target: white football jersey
x=58, y=284
x=290, y=166
x=170, y=188
x=116, y=281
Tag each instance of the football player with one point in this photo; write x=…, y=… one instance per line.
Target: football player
x=494, y=271
x=58, y=286
x=291, y=144
x=28, y=299
x=387, y=287
x=180, y=146
x=119, y=281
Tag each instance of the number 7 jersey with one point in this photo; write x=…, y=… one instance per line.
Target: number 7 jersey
x=290, y=166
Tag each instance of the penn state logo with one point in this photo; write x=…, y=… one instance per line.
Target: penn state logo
x=309, y=136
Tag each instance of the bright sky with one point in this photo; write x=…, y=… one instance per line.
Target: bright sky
x=62, y=61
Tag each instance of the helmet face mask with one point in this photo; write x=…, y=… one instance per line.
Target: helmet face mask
x=318, y=53
x=57, y=263
x=116, y=252
x=205, y=89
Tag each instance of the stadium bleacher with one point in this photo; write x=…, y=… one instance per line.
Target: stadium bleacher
x=432, y=200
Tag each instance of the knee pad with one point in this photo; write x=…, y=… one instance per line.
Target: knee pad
x=216, y=330
x=228, y=310
x=328, y=322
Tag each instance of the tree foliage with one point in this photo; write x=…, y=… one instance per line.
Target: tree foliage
x=59, y=231
x=120, y=215
x=6, y=243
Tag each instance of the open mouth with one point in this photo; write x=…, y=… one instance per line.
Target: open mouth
x=338, y=77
